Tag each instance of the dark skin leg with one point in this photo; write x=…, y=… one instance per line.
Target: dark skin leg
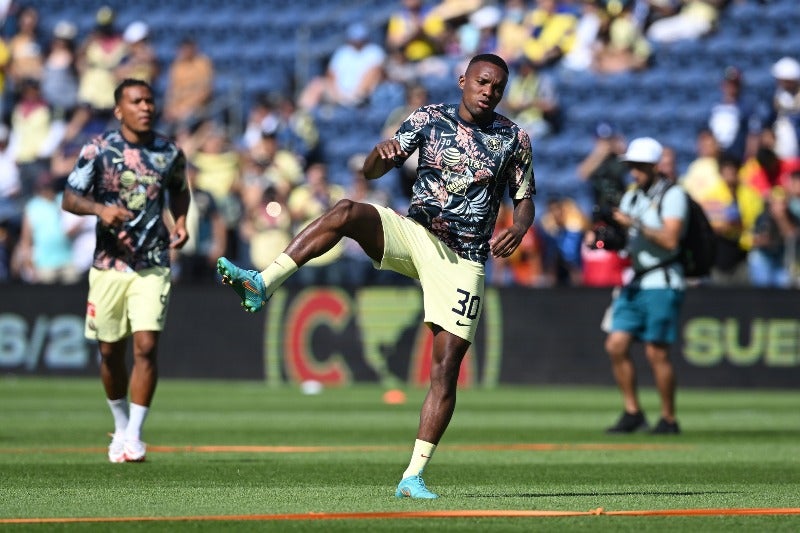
x=113, y=372
x=362, y=223
x=440, y=402
x=144, y=376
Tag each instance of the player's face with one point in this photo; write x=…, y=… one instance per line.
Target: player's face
x=482, y=87
x=136, y=112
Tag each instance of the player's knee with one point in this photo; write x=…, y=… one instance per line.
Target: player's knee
x=615, y=349
x=349, y=214
x=447, y=368
x=657, y=354
x=144, y=347
x=113, y=352
x=346, y=208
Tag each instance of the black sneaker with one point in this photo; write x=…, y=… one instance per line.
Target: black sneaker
x=666, y=428
x=629, y=423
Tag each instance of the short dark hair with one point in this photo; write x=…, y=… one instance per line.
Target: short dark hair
x=489, y=58
x=129, y=82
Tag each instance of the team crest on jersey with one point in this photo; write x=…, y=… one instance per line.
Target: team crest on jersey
x=494, y=144
x=159, y=160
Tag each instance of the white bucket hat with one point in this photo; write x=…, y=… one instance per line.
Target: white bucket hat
x=643, y=150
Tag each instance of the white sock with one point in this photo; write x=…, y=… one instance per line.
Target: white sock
x=134, y=429
x=423, y=451
x=119, y=409
x=277, y=272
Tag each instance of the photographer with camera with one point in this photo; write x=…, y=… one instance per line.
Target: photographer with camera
x=647, y=308
x=607, y=175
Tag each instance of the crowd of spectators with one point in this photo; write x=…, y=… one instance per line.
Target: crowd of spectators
x=254, y=189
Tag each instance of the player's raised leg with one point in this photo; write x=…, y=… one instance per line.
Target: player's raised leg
x=361, y=222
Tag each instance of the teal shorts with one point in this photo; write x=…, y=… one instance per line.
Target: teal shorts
x=650, y=315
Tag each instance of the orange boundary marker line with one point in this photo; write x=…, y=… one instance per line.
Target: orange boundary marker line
x=408, y=514
x=536, y=447
x=707, y=512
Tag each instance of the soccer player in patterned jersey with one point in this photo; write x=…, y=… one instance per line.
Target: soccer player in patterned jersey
x=469, y=156
x=126, y=178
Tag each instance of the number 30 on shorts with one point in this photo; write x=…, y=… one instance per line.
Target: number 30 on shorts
x=469, y=306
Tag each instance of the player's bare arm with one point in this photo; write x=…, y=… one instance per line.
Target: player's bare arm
x=507, y=240
x=383, y=158
x=179, y=205
x=110, y=215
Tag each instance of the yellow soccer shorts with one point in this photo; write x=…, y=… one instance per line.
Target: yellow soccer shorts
x=120, y=303
x=452, y=287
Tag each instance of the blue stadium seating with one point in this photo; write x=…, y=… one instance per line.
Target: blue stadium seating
x=277, y=45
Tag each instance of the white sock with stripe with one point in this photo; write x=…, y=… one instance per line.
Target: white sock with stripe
x=423, y=451
x=278, y=272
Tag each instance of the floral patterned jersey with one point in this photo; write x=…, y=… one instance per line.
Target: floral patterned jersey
x=463, y=172
x=115, y=172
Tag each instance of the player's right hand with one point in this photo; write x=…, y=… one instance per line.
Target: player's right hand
x=390, y=149
x=114, y=215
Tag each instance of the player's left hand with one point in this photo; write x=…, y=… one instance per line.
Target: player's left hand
x=506, y=241
x=178, y=238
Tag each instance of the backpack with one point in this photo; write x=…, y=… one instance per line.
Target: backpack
x=697, y=249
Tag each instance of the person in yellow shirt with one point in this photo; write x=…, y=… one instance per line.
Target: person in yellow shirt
x=218, y=173
x=5, y=58
x=511, y=31
x=97, y=58
x=552, y=33
x=30, y=126
x=532, y=100
x=702, y=175
x=415, y=30
x=625, y=48
x=732, y=208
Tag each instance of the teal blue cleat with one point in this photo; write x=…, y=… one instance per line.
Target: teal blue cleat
x=414, y=487
x=248, y=284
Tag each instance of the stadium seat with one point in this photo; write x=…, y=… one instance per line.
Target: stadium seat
x=783, y=18
x=741, y=18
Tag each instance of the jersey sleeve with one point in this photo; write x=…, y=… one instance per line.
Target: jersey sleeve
x=86, y=170
x=521, y=182
x=409, y=134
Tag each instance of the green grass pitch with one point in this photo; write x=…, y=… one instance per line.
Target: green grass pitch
x=240, y=456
